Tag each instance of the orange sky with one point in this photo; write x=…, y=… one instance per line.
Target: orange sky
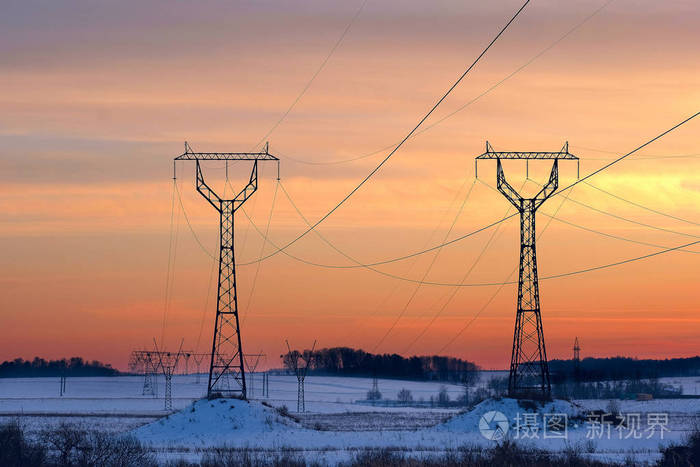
x=98, y=99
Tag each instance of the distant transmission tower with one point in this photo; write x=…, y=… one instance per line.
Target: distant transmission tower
x=577, y=351
x=577, y=360
x=167, y=362
x=294, y=357
x=227, y=350
x=140, y=362
x=529, y=369
x=251, y=367
x=198, y=358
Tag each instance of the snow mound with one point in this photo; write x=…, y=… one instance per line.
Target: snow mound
x=512, y=409
x=221, y=417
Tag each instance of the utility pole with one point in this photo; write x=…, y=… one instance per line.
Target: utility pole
x=300, y=372
x=529, y=368
x=227, y=349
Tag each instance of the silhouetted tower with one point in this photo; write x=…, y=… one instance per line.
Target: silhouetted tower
x=198, y=358
x=529, y=369
x=251, y=367
x=167, y=362
x=140, y=362
x=294, y=357
x=227, y=349
x=577, y=360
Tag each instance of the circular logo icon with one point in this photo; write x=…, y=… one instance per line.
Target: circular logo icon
x=493, y=425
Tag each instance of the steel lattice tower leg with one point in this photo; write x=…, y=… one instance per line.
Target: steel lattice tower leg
x=227, y=353
x=529, y=370
x=301, y=406
x=168, y=391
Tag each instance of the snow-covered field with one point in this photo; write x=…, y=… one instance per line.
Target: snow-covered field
x=335, y=424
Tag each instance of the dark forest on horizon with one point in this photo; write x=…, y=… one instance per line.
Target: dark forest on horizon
x=69, y=367
x=344, y=361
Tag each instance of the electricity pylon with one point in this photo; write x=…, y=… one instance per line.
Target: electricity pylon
x=300, y=372
x=577, y=360
x=252, y=367
x=167, y=362
x=141, y=362
x=227, y=350
x=529, y=369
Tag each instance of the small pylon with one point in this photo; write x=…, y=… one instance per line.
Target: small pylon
x=300, y=372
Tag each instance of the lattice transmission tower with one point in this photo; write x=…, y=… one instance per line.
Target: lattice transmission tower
x=577, y=351
x=227, y=351
x=529, y=368
x=306, y=356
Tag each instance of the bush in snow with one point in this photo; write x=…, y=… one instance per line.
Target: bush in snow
x=688, y=454
x=373, y=395
x=15, y=450
x=404, y=396
x=443, y=397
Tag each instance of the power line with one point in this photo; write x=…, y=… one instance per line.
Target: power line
x=262, y=249
x=376, y=263
x=370, y=266
x=172, y=255
x=316, y=73
x=595, y=172
x=473, y=100
x=625, y=261
x=601, y=211
x=278, y=249
x=427, y=271
x=646, y=157
x=640, y=206
x=189, y=225
x=397, y=283
x=661, y=229
x=615, y=161
x=410, y=133
x=616, y=237
x=493, y=296
x=490, y=284
x=464, y=278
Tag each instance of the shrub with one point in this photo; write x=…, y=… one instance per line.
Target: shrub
x=443, y=397
x=404, y=396
x=74, y=446
x=16, y=451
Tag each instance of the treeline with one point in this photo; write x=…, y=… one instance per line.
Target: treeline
x=75, y=366
x=345, y=361
x=621, y=368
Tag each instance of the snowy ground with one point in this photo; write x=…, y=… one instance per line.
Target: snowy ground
x=335, y=425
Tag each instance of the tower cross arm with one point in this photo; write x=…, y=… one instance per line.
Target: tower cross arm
x=527, y=155
x=551, y=186
x=249, y=189
x=506, y=189
x=205, y=191
x=226, y=156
